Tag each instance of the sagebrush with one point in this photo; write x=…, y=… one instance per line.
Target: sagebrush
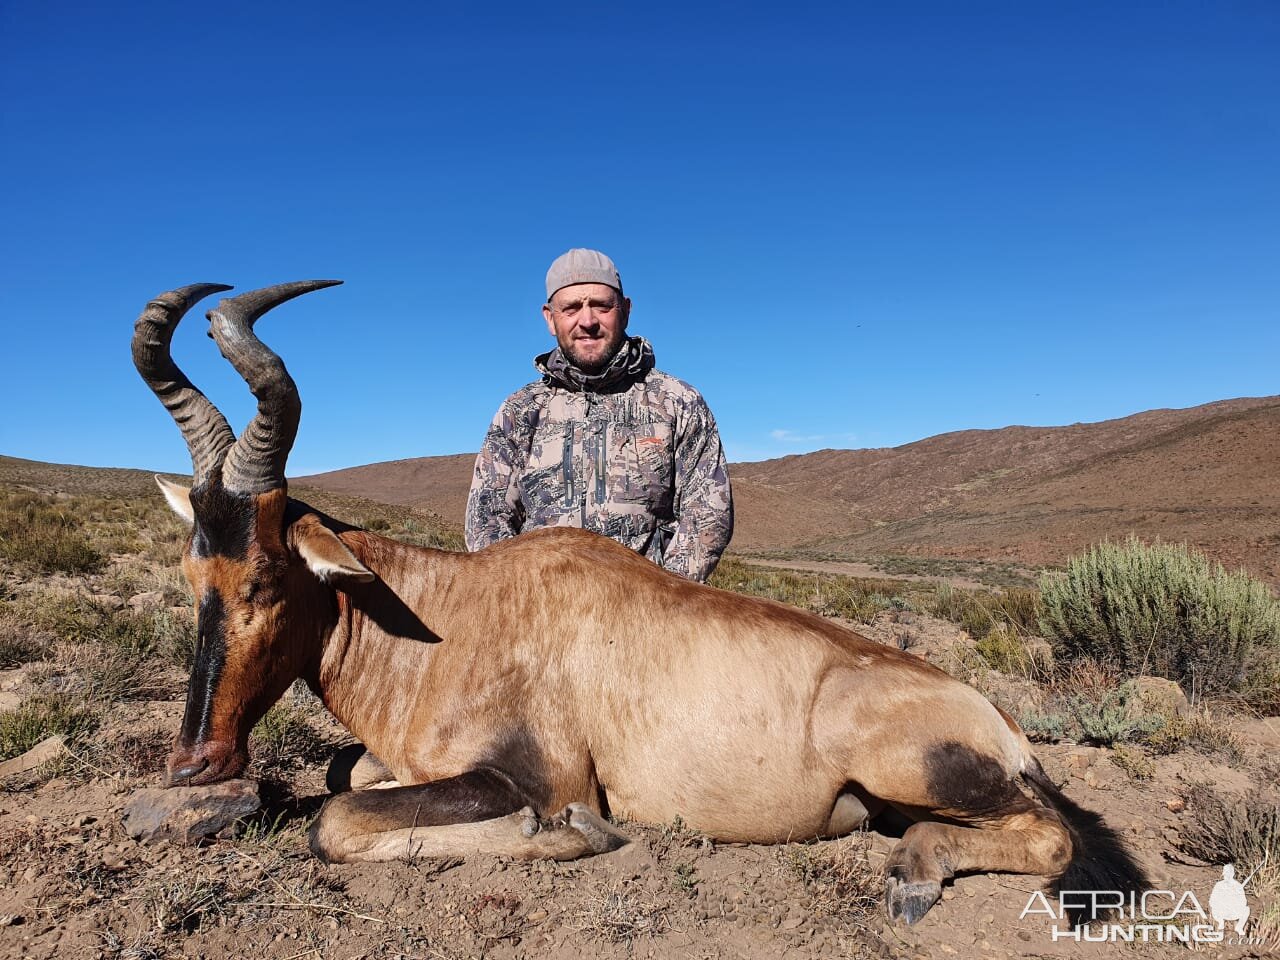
x=1166, y=610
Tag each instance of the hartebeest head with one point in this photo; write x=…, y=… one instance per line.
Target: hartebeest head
x=255, y=563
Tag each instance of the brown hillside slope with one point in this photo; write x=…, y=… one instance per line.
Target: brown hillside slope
x=1214, y=482
x=868, y=488
x=437, y=485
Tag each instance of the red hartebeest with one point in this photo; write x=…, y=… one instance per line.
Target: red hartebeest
x=516, y=696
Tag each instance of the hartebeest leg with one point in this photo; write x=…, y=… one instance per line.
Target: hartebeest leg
x=477, y=812
x=991, y=825
x=1030, y=840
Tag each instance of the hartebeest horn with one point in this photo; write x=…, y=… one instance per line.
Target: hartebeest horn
x=204, y=428
x=256, y=462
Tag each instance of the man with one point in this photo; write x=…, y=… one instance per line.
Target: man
x=603, y=441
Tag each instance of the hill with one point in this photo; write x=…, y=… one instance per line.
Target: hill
x=1032, y=495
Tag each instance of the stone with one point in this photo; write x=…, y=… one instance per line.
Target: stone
x=108, y=600
x=47, y=749
x=9, y=700
x=1158, y=695
x=151, y=598
x=191, y=814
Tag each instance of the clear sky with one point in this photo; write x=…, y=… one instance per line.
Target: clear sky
x=848, y=225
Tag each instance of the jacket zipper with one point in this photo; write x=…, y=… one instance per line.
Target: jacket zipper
x=566, y=466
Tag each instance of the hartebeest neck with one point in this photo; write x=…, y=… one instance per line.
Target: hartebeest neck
x=375, y=662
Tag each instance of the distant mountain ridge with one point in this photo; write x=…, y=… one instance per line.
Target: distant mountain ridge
x=1208, y=474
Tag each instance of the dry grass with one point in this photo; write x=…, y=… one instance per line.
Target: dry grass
x=40, y=717
x=285, y=739
x=623, y=914
x=838, y=877
x=827, y=594
x=1245, y=831
x=41, y=533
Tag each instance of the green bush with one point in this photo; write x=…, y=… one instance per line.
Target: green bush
x=1167, y=611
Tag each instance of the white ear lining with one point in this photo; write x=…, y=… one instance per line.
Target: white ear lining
x=178, y=498
x=329, y=559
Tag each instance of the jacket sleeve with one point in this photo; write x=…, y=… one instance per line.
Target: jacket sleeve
x=494, y=510
x=703, y=502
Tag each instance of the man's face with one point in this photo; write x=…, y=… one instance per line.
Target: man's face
x=589, y=321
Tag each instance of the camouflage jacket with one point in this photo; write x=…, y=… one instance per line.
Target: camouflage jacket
x=631, y=453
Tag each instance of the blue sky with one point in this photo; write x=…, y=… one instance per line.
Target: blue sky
x=848, y=225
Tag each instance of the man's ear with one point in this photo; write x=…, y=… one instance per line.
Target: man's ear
x=546, y=315
x=325, y=555
x=179, y=498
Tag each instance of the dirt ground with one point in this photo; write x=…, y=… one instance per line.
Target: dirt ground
x=72, y=885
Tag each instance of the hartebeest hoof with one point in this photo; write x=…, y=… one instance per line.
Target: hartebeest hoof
x=910, y=900
x=600, y=837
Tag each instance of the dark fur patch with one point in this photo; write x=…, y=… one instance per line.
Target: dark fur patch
x=211, y=656
x=963, y=780
x=518, y=756
x=224, y=522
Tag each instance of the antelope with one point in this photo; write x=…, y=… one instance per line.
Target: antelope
x=511, y=701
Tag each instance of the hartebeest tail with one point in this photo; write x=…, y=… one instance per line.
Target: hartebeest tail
x=561, y=671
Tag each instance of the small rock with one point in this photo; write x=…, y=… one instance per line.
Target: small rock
x=9, y=700
x=47, y=749
x=151, y=598
x=108, y=600
x=1162, y=696
x=1024, y=935
x=1176, y=805
x=537, y=916
x=190, y=814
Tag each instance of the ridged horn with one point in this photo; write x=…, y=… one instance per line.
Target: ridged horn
x=203, y=426
x=255, y=463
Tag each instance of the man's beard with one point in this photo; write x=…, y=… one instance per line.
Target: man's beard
x=592, y=367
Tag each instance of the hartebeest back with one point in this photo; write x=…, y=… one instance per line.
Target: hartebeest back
x=559, y=671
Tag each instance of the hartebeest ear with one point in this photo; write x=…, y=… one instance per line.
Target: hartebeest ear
x=327, y=556
x=179, y=498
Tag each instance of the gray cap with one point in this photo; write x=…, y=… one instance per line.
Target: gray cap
x=582, y=266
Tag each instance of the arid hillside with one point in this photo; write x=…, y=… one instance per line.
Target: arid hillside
x=1209, y=475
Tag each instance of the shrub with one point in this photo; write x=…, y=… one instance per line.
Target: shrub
x=1167, y=611
x=1115, y=717
x=1241, y=830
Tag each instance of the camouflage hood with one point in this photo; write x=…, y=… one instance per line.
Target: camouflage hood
x=632, y=361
